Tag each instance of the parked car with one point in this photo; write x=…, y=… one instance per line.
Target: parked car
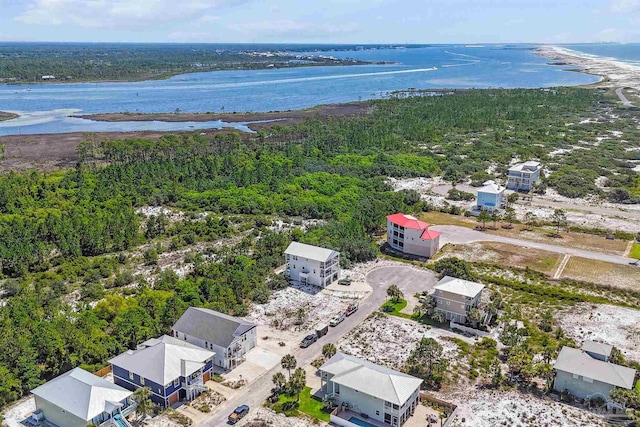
x=308, y=340
x=337, y=319
x=422, y=299
x=321, y=330
x=344, y=282
x=352, y=308
x=239, y=413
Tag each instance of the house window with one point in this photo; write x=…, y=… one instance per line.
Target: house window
x=587, y=379
x=387, y=404
x=142, y=380
x=295, y=258
x=448, y=302
x=314, y=271
x=378, y=413
x=575, y=376
x=176, y=382
x=131, y=376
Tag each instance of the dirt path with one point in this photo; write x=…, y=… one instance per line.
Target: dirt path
x=623, y=98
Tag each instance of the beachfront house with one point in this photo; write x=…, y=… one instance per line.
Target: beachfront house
x=78, y=398
x=455, y=297
x=173, y=369
x=366, y=393
x=407, y=234
x=312, y=265
x=489, y=197
x=584, y=376
x=230, y=338
x=523, y=176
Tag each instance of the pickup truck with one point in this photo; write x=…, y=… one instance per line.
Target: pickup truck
x=308, y=340
x=337, y=319
x=352, y=308
x=239, y=413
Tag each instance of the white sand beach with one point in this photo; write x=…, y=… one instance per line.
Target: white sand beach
x=615, y=73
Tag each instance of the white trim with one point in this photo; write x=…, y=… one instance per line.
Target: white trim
x=139, y=386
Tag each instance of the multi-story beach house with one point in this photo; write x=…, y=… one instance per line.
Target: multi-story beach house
x=455, y=297
x=490, y=197
x=230, y=338
x=173, y=369
x=523, y=176
x=409, y=235
x=312, y=265
x=367, y=394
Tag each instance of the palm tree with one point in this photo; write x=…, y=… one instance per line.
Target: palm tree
x=394, y=293
x=279, y=382
x=559, y=219
x=484, y=217
x=510, y=216
x=289, y=362
x=142, y=397
x=297, y=383
x=495, y=217
x=328, y=350
x=438, y=316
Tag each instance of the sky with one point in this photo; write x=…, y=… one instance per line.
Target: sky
x=322, y=21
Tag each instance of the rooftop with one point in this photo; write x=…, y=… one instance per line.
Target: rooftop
x=430, y=234
x=82, y=394
x=310, y=252
x=491, y=187
x=212, y=326
x=160, y=359
x=596, y=347
x=407, y=221
x=458, y=286
x=530, y=165
x=371, y=379
x=578, y=362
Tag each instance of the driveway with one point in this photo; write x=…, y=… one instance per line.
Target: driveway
x=459, y=235
x=410, y=280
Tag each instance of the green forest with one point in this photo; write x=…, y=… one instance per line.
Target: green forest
x=72, y=242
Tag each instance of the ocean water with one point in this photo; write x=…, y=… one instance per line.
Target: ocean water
x=629, y=52
x=46, y=107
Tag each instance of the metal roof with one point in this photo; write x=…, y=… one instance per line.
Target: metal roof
x=82, y=394
x=459, y=286
x=310, y=252
x=407, y=221
x=212, y=326
x=596, y=347
x=430, y=234
x=490, y=187
x=160, y=359
x=530, y=166
x=371, y=379
x=578, y=362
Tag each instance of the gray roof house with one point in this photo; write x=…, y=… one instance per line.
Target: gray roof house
x=229, y=337
x=78, y=398
x=584, y=376
x=312, y=265
x=360, y=387
x=597, y=350
x=456, y=297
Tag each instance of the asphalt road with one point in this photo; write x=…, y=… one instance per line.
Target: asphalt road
x=623, y=98
x=455, y=234
x=410, y=281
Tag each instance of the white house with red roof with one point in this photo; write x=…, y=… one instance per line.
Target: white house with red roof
x=407, y=234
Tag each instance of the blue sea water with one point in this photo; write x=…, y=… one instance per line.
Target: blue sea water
x=45, y=108
x=628, y=52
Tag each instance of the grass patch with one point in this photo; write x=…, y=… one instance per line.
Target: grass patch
x=635, y=251
x=308, y=405
x=602, y=272
x=394, y=308
x=441, y=218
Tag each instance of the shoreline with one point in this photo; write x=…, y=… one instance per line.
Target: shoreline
x=613, y=73
x=5, y=115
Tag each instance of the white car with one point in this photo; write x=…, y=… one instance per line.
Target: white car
x=337, y=319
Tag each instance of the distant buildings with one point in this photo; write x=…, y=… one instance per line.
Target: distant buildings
x=455, y=297
x=78, y=398
x=490, y=197
x=172, y=369
x=523, y=176
x=366, y=391
x=230, y=338
x=48, y=77
x=585, y=373
x=407, y=234
x=312, y=265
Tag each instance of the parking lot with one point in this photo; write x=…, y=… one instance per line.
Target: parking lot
x=409, y=279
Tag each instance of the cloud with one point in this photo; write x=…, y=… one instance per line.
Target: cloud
x=118, y=14
x=299, y=29
x=625, y=6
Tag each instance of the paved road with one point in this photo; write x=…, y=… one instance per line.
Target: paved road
x=410, y=280
x=455, y=234
x=623, y=98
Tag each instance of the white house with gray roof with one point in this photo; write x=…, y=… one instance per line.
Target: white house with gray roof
x=455, y=297
x=229, y=337
x=312, y=265
x=78, y=398
x=366, y=391
x=523, y=176
x=584, y=376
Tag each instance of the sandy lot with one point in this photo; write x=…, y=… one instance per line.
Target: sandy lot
x=617, y=326
x=18, y=412
x=489, y=408
x=263, y=417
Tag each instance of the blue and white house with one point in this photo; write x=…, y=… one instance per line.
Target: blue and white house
x=490, y=197
x=523, y=176
x=173, y=369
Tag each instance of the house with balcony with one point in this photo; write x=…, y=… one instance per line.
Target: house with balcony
x=455, y=297
x=407, y=234
x=585, y=374
x=78, y=398
x=230, y=338
x=312, y=265
x=173, y=369
x=489, y=197
x=367, y=394
x=523, y=176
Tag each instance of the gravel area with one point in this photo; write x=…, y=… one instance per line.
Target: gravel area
x=610, y=324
